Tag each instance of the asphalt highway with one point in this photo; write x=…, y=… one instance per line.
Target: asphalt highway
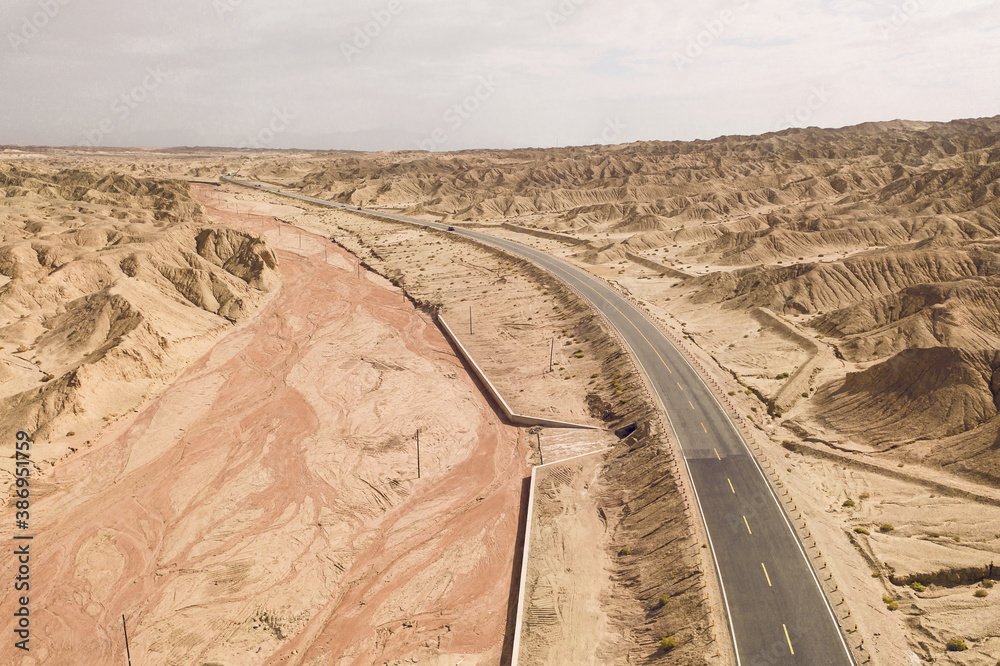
x=776, y=609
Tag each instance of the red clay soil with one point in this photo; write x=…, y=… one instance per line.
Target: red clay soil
x=265, y=508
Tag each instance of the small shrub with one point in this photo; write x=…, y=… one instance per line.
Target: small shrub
x=861, y=530
x=805, y=395
x=917, y=587
x=668, y=643
x=848, y=504
x=70, y=433
x=892, y=605
x=980, y=593
x=783, y=375
x=876, y=574
x=886, y=528
x=663, y=600
x=732, y=393
x=625, y=551
x=988, y=584
x=956, y=645
x=887, y=599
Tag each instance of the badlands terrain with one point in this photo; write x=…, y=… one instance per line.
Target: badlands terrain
x=224, y=389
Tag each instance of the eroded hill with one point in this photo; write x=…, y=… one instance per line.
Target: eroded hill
x=881, y=238
x=105, y=280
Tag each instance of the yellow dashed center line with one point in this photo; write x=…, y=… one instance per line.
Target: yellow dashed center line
x=717, y=454
x=636, y=329
x=787, y=638
x=731, y=485
x=765, y=575
x=747, y=524
x=679, y=386
x=692, y=404
x=704, y=428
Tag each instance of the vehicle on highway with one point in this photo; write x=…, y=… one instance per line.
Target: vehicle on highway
x=451, y=228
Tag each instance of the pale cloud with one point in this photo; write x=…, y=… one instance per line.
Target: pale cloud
x=380, y=75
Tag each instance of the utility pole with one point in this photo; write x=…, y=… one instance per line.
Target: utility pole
x=125, y=629
x=541, y=460
x=552, y=353
x=418, y=453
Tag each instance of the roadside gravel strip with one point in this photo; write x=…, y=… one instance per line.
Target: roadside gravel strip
x=775, y=605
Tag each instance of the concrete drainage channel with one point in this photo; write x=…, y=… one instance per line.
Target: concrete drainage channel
x=494, y=394
x=515, y=419
x=518, y=626
x=521, y=420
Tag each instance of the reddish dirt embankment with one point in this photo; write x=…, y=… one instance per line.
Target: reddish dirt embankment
x=266, y=508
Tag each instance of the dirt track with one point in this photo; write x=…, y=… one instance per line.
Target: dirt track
x=265, y=509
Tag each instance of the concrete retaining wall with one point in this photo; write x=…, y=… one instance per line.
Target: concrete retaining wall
x=660, y=268
x=516, y=419
x=519, y=624
x=550, y=235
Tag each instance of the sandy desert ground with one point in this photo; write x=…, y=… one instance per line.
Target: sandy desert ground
x=841, y=281
x=841, y=284
x=517, y=313
x=263, y=508
x=256, y=501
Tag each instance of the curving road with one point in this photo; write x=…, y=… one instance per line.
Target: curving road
x=776, y=609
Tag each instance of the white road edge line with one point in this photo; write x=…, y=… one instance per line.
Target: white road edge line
x=774, y=497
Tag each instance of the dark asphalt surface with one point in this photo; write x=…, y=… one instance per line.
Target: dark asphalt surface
x=776, y=609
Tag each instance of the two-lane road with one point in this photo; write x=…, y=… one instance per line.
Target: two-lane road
x=776, y=609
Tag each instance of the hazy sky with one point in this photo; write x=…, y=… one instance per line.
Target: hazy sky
x=453, y=74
